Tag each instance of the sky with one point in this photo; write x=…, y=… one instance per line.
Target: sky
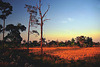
x=68, y=18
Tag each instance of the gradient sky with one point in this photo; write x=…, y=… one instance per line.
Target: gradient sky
x=68, y=18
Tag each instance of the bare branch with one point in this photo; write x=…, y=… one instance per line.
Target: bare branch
x=40, y=8
x=34, y=31
x=46, y=11
x=39, y=3
x=40, y=13
x=46, y=19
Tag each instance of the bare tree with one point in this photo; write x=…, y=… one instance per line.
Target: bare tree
x=42, y=20
x=31, y=10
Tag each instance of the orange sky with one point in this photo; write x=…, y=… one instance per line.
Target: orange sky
x=61, y=36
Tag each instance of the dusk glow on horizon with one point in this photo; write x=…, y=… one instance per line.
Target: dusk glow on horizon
x=68, y=19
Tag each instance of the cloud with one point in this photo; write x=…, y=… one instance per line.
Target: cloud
x=67, y=20
x=70, y=19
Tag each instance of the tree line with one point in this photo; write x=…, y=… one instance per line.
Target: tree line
x=81, y=41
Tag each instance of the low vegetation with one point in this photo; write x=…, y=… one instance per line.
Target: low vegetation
x=69, y=53
x=21, y=58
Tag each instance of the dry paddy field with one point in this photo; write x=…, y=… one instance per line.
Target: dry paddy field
x=69, y=53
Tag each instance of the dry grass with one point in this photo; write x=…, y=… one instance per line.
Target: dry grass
x=69, y=53
x=54, y=57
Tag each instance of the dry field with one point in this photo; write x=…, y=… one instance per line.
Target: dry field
x=69, y=53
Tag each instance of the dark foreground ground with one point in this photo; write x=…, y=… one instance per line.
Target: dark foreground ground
x=21, y=58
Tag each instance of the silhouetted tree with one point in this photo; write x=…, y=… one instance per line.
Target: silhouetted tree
x=13, y=35
x=89, y=41
x=6, y=9
x=35, y=43
x=24, y=41
x=84, y=41
x=69, y=42
x=61, y=43
x=52, y=43
x=72, y=42
x=81, y=40
x=78, y=44
x=66, y=42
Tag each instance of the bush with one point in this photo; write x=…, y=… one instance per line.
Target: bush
x=62, y=45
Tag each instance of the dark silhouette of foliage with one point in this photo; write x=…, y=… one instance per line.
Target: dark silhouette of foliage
x=35, y=43
x=89, y=41
x=13, y=35
x=34, y=31
x=81, y=40
x=78, y=44
x=66, y=42
x=84, y=41
x=61, y=43
x=53, y=43
x=6, y=9
x=72, y=42
x=24, y=41
x=1, y=28
x=44, y=42
x=69, y=42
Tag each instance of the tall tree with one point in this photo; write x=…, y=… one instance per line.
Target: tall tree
x=6, y=10
x=42, y=20
x=32, y=10
x=32, y=20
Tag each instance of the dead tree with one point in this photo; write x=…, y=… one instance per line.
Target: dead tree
x=42, y=20
x=32, y=11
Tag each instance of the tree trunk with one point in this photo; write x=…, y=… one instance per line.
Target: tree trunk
x=29, y=31
x=3, y=28
x=3, y=31
x=42, y=24
x=41, y=35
